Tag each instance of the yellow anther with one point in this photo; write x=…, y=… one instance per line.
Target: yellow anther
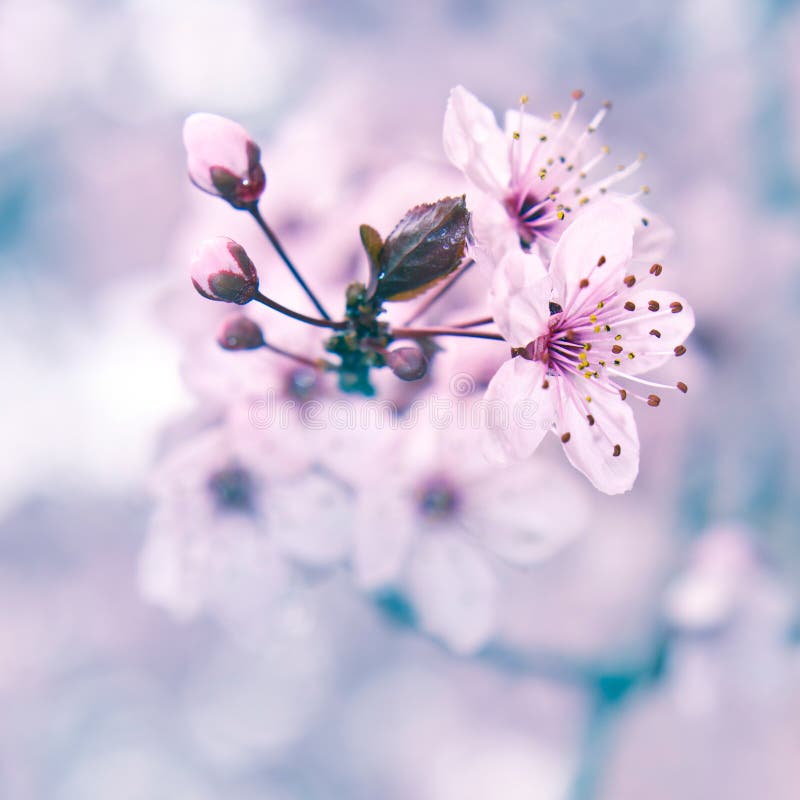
x=523, y=99
x=583, y=201
x=515, y=134
x=560, y=215
x=618, y=337
x=542, y=173
x=631, y=356
x=597, y=328
x=593, y=318
x=600, y=304
x=556, y=115
x=605, y=149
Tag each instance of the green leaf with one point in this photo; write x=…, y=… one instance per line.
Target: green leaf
x=425, y=246
x=373, y=243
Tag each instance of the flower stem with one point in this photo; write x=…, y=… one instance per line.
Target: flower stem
x=421, y=333
x=256, y=214
x=319, y=323
x=473, y=323
x=314, y=363
x=423, y=308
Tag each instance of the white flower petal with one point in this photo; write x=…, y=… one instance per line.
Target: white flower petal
x=382, y=536
x=591, y=448
x=526, y=512
x=519, y=412
x=453, y=591
x=519, y=298
x=602, y=232
x=651, y=351
x=311, y=516
x=474, y=142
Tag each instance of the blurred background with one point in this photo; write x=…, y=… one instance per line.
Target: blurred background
x=656, y=656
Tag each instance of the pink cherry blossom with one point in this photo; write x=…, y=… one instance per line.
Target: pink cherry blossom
x=222, y=159
x=221, y=270
x=578, y=334
x=537, y=173
x=436, y=519
x=235, y=516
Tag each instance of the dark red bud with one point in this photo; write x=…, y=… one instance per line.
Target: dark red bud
x=407, y=362
x=240, y=333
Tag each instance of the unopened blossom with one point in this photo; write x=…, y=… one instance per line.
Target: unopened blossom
x=436, y=518
x=240, y=333
x=222, y=159
x=407, y=362
x=222, y=270
x=538, y=173
x=580, y=334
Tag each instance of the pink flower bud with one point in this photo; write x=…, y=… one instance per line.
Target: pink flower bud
x=223, y=159
x=221, y=270
x=240, y=333
x=407, y=362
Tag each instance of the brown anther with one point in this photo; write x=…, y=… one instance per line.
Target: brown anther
x=587, y=347
x=569, y=335
x=653, y=400
x=590, y=419
x=565, y=437
x=617, y=450
x=656, y=269
x=655, y=333
x=518, y=351
x=682, y=386
x=601, y=261
x=577, y=94
x=630, y=306
x=676, y=307
x=623, y=394
x=606, y=104
x=545, y=384
x=629, y=280
x=653, y=305
x=616, y=349
x=680, y=350
x=583, y=283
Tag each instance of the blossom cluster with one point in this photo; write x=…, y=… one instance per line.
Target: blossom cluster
x=553, y=280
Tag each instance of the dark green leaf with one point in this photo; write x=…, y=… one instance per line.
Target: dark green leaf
x=373, y=243
x=425, y=246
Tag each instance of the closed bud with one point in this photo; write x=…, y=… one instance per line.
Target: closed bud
x=221, y=270
x=223, y=160
x=407, y=362
x=240, y=333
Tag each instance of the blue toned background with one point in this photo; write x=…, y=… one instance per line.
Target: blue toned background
x=105, y=696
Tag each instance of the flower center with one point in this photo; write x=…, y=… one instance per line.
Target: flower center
x=526, y=211
x=301, y=383
x=232, y=490
x=437, y=499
